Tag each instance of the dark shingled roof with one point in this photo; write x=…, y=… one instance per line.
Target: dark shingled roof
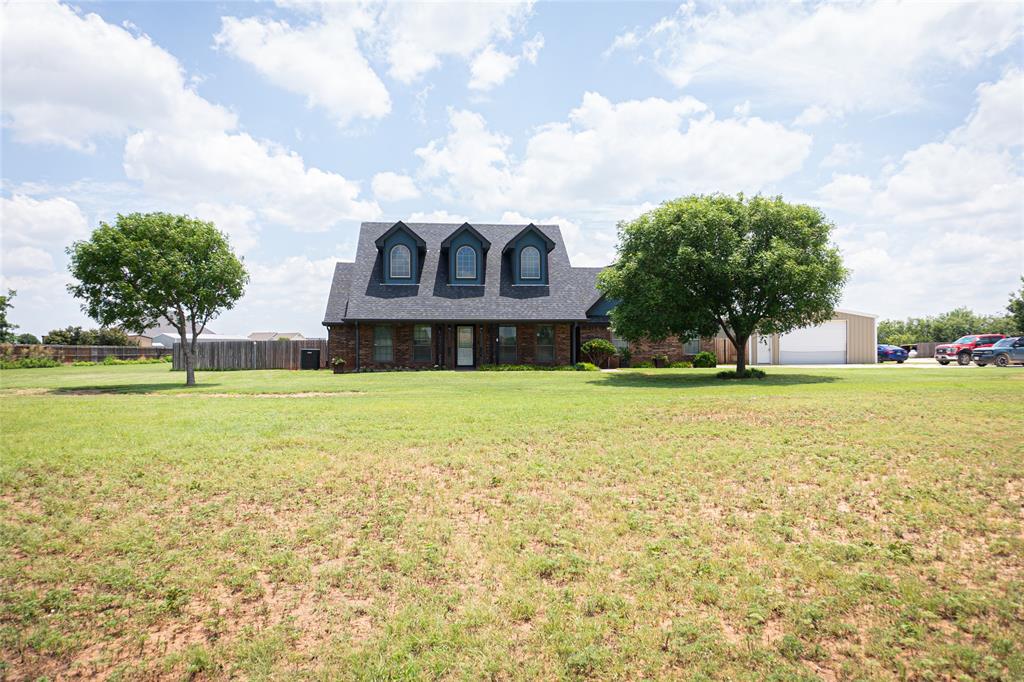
x=357, y=292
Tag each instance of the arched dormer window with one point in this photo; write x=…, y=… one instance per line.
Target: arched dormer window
x=529, y=263
x=401, y=262
x=465, y=263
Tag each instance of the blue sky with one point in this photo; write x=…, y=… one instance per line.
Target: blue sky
x=287, y=124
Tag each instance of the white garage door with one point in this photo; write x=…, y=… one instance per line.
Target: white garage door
x=824, y=344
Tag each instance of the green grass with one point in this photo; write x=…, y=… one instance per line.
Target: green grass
x=861, y=523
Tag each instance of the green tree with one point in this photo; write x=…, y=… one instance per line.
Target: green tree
x=1016, y=309
x=698, y=264
x=68, y=336
x=28, y=339
x=6, y=327
x=148, y=266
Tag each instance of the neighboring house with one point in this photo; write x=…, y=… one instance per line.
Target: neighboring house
x=161, y=334
x=276, y=336
x=457, y=296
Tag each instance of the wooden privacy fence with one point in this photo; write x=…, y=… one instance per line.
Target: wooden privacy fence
x=67, y=354
x=251, y=354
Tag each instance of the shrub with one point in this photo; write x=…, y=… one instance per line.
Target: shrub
x=705, y=359
x=751, y=373
x=646, y=364
x=625, y=355
x=338, y=362
x=524, y=368
x=586, y=367
x=681, y=365
x=28, y=363
x=598, y=350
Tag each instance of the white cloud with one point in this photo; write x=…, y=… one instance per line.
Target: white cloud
x=611, y=153
x=26, y=259
x=69, y=79
x=997, y=119
x=437, y=216
x=490, y=68
x=238, y=222
x=946, y=217
x=532, y=48
x=390, y=186
x=285, y=295
x=321, y=60
x=49, y=223
x=812, y=116
x=237, y=168
x=415, y=36
x=842, y=154
x=874, y=55
x=623, y=41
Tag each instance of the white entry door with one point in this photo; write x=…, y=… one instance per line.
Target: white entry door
x=464, y=346
x=764, y=349
x=823, y=344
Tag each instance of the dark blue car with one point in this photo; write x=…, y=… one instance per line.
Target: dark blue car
x=888, y=352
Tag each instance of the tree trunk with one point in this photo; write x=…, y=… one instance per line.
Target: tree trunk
x=188, y=354
x=741, y=354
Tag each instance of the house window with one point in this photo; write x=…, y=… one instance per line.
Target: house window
x=421, y=343
x=507, y=346
x=691, y=347
x=619, y=342
x=529, y=263
x=545, y=343
x=465, y=263
x=401, y=262
x=383, y=344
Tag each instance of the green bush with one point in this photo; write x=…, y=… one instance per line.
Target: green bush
x=524, y=368
x=751, y=373
x=28, y=363
x=646, y=364
x=705, y=359
x=586, y=367
x=625, y=355
x=681, y=365
x=598, y=350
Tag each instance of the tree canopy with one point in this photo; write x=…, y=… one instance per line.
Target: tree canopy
x=76, y=336
x=698, y=264
x=946, y=327
x=148, y=266
x=6, y=327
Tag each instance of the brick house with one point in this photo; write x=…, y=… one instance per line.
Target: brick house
x=458, y=296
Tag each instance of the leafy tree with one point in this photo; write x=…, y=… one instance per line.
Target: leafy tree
x=29, y=339
x=69, y=336
x=698, y=264
x=149, y=266
x=6, y=327
x=948, y=326
x=1016, y=308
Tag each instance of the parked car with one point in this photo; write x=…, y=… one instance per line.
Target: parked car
x=889, y=352
x=1002, y=353
x=961, y=349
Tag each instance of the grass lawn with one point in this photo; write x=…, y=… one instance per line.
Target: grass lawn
x=858, y=523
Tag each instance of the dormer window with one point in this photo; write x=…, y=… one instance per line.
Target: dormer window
x=401, y=255
x=465, y=262
x=528, y=256
x=401, y=262
x=529, y=263
x=464, y=253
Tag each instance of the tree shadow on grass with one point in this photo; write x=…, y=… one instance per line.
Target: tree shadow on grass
x=129, y=389
x=678, y=381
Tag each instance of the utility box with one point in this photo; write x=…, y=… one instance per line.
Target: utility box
x=310, y=358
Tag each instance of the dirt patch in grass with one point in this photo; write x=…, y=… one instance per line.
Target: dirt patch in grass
x=305, y=394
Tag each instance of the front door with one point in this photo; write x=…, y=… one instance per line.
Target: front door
x=764, y=349
x=464, y=346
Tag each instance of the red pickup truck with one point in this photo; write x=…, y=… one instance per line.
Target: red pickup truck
x=960, y=350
